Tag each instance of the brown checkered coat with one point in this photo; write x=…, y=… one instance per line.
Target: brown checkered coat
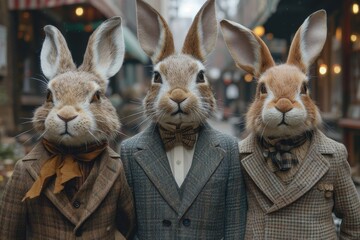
x=303, y=209
x=103, y=204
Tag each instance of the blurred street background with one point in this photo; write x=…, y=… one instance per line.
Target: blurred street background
x=334, y=83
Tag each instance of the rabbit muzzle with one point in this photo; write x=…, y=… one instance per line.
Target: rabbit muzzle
x=178, y=96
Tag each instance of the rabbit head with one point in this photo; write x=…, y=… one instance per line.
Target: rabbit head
x=282, y=106
x=179, y=92
x=76, y=110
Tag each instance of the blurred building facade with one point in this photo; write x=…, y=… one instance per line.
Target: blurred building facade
x=22, y=22
x=335, y=76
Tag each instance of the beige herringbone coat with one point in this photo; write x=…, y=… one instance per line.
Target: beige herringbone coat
x=303, y=209
x=102, y=204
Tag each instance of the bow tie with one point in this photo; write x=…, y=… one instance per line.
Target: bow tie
x=185, y=136
x=279, y=151
x=62, y=163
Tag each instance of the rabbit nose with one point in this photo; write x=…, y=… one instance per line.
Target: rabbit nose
x=67, y=119
x=283, y=105
x=67, y=113
x=178, y=95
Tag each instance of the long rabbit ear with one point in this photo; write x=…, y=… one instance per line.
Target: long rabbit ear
x=105, y=51
x=153, y=32
x=308, y=41
x=247, y=49
x=55, y=55
x=202, y=35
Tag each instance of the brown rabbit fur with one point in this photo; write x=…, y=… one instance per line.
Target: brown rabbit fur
x=76, y=110
x=180, y=91
x=282, y=106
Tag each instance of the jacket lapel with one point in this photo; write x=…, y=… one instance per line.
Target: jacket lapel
x=315, y=166
x=151, y=156
x=59, y=200
x=254, y=165
x=207, y=157
x=102, y=180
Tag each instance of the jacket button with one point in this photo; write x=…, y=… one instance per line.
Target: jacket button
x=76, y=204
x=78, y=232
x=186, y=222
x=166, y=223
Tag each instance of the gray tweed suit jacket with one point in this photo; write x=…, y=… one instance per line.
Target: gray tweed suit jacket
x=211, y=203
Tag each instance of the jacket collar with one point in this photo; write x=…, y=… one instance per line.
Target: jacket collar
x=248, y=145
x=151, y=156
x=315, y=166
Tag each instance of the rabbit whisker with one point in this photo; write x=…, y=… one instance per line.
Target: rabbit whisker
x=96, y=139
x=147, y=119
x=132, y=115
x=42, y=135
x=134, y=120
x=136, y=102
x=24, y=133
x=27, y=140
x=101, y=121
x=263, y=131
x=27, y=122
x=34, y=121
x=25, y=118
x=60, y=140
x=44, y=83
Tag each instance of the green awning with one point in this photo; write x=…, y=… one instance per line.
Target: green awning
x=132, y=46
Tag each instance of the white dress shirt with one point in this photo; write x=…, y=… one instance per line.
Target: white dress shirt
x=180, y=158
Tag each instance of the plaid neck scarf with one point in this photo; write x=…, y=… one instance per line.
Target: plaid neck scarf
x=279, y=150
x=62, y=163
x=185, y=136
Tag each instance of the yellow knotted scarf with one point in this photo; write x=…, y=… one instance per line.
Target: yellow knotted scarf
x=62, y=163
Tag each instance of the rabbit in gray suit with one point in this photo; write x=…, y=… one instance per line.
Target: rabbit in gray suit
x=185, y=176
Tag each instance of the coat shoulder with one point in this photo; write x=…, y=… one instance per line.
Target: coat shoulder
x=222, y=139
x=131, y=142
x=225, y=138
x=328, y=146
x=131, y=145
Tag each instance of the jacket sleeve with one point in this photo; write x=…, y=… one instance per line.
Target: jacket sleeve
x=236, y=203
x=12, y=209
x=347, y=202
x=126, y=211
x=125, y=153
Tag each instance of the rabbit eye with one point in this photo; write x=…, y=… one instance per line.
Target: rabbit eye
x=304, y=89
x=157, y=77
x=200, y=77
x=263, y=88
x=49, y=96
x=96, y=97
